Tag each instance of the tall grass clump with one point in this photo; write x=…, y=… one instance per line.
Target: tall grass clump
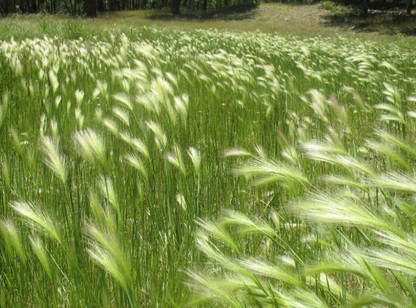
x=344, y=240
x=156, y=168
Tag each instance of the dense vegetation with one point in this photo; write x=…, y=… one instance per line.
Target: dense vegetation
x=89, y=8
x=168, y=168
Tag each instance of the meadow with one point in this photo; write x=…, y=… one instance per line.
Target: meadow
x=149, y=167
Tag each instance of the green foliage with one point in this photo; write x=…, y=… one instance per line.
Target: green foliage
x=328, y=5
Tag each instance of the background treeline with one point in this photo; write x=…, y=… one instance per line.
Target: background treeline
x=90, y=8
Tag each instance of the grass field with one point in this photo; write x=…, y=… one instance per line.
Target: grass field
x=145, y=167
x=285, y=19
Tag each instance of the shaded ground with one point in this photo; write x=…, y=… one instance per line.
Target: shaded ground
x=240, y=12
x=292, y=18
x=382, y=20
x=268, y=13
x=267, y=17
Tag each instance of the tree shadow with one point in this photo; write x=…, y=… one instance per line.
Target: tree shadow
x=380, y=18
x=238, y=12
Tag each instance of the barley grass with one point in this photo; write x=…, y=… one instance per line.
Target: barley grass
x=168, y=168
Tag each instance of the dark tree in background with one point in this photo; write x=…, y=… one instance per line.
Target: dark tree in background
x=175, y=4
x=5, y=7
x=90, y=8
x=365, y=7
x=409, y=7
x=100, y=6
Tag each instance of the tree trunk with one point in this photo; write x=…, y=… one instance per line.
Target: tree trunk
x=204, y=5
x=409, y=7
x=100, y=6
x=5, y=8
x=174, y=5
x=90, y=8
x=22, y=7
x=365, y=7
